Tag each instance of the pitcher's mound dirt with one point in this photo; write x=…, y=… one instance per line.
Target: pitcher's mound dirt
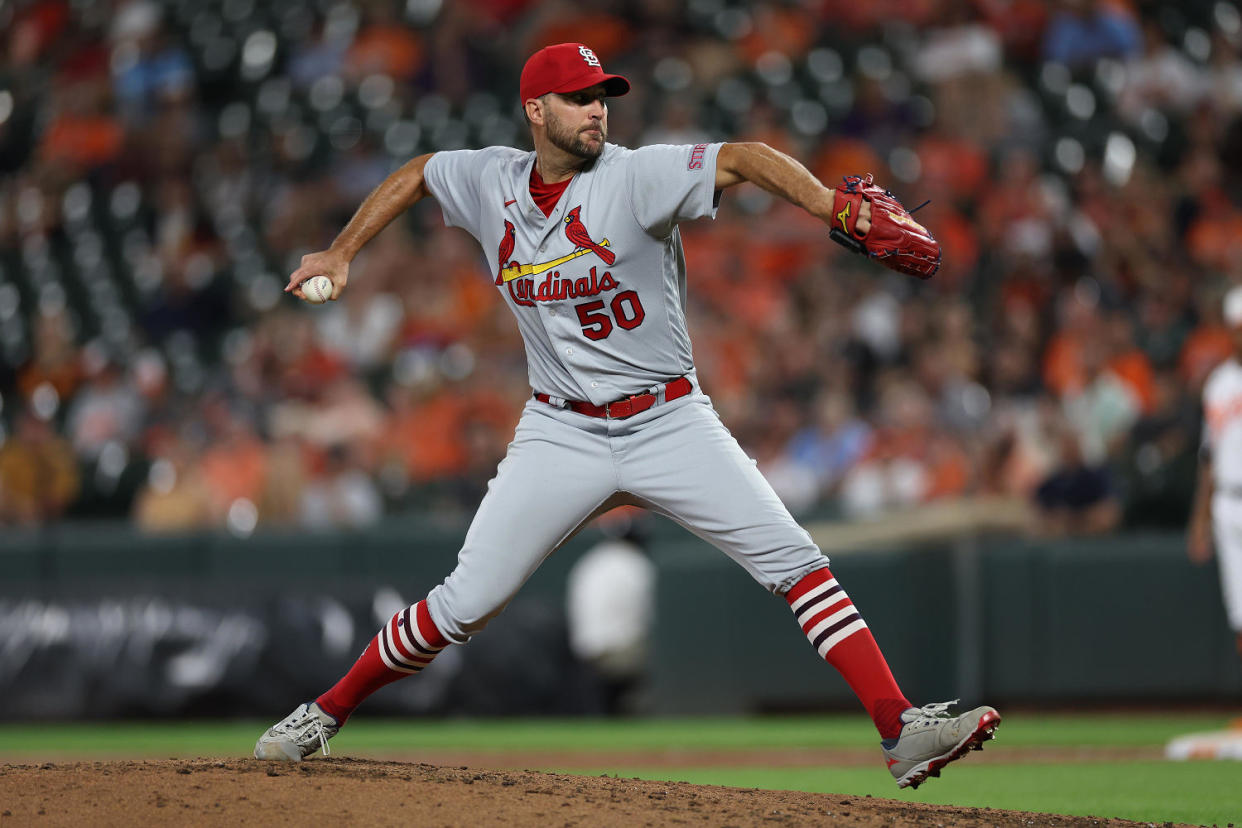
x=362, y=791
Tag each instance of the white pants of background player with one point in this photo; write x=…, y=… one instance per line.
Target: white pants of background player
x=564, y=468
x=1227, y=530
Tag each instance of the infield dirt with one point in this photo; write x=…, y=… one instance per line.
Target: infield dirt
x=344, y=791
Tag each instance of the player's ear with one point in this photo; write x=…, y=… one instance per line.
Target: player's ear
x=534, y=110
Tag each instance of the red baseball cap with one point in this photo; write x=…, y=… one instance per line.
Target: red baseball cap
x=566, y=67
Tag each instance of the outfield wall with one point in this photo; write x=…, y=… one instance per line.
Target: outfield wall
x=101, y=621
x=1118, y=619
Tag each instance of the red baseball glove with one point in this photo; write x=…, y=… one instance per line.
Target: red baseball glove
x=895, y=239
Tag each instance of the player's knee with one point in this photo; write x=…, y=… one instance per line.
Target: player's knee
x=471, y=620
x=460, y=618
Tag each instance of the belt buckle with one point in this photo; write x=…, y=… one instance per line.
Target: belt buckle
x=634, y=404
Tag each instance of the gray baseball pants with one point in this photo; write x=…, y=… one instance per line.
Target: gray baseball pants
x=564, y=468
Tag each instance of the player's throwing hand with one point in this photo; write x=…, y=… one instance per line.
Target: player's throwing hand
x=324, y=263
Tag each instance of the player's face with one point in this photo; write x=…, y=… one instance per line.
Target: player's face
x=577, y=122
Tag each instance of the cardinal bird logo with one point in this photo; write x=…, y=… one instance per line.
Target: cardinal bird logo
x=506, y=250
x=577, y=233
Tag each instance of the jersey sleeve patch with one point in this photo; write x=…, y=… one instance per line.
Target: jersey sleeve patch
x=696, y=157
x=669, y=184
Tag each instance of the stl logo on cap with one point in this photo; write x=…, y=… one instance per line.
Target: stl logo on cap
x=566, y=67
x=588, y=56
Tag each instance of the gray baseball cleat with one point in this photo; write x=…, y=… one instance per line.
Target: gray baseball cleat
x=931, y=739
x=298, y=735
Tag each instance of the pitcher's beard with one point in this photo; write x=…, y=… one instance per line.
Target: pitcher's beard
x=567, y=140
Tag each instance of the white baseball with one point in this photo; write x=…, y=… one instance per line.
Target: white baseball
x=317, y=289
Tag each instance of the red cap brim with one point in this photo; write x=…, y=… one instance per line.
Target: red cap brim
x=614, y=85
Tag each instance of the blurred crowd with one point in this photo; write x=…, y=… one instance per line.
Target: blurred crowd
x=164, y=164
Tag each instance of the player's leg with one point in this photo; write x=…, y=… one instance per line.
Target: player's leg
x=553, y=476
x=919, y=741
x=717, y=492
x=551, y=481
x=557, y=475
x=1227, y=533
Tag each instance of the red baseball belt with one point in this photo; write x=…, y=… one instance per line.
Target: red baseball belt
x=628, y=407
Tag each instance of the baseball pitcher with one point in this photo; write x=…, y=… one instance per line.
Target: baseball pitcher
x=582, y=243
x=1217, y=512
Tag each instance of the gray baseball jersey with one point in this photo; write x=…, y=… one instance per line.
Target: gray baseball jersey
x=600, y=322
x=599, y=288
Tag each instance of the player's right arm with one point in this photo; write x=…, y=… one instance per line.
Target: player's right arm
x=1199, y=534
x=395, y=194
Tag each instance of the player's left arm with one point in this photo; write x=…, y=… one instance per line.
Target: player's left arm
x=781, y=175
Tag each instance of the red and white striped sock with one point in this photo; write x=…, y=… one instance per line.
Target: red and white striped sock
x=406, y=644
x=839, y=634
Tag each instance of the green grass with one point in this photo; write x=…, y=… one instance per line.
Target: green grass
x=1199, y=793
x=724, y=733
x=1142, y=789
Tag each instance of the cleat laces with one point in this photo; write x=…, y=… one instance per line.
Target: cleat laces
x=935, y=712
x=311, y=727
x=323, y=740
x=318, y=727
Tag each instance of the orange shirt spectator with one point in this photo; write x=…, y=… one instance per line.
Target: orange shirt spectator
x=1215, y=238
x=176, y=497
x=789, y=30
x=1064, y=371
x=847, y=156
x=64, y=376
x=56, y=359
x=307, y=372
x=607, y=35
x=1205, y=348
x=959, y=243
x=951, y=166
x=428, y=436
x=384, y=49
x=948, y=468
x=82, y=141
x=1134, y=369
x=235, y=469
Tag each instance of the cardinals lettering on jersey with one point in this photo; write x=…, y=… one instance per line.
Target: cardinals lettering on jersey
x=554, y=288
